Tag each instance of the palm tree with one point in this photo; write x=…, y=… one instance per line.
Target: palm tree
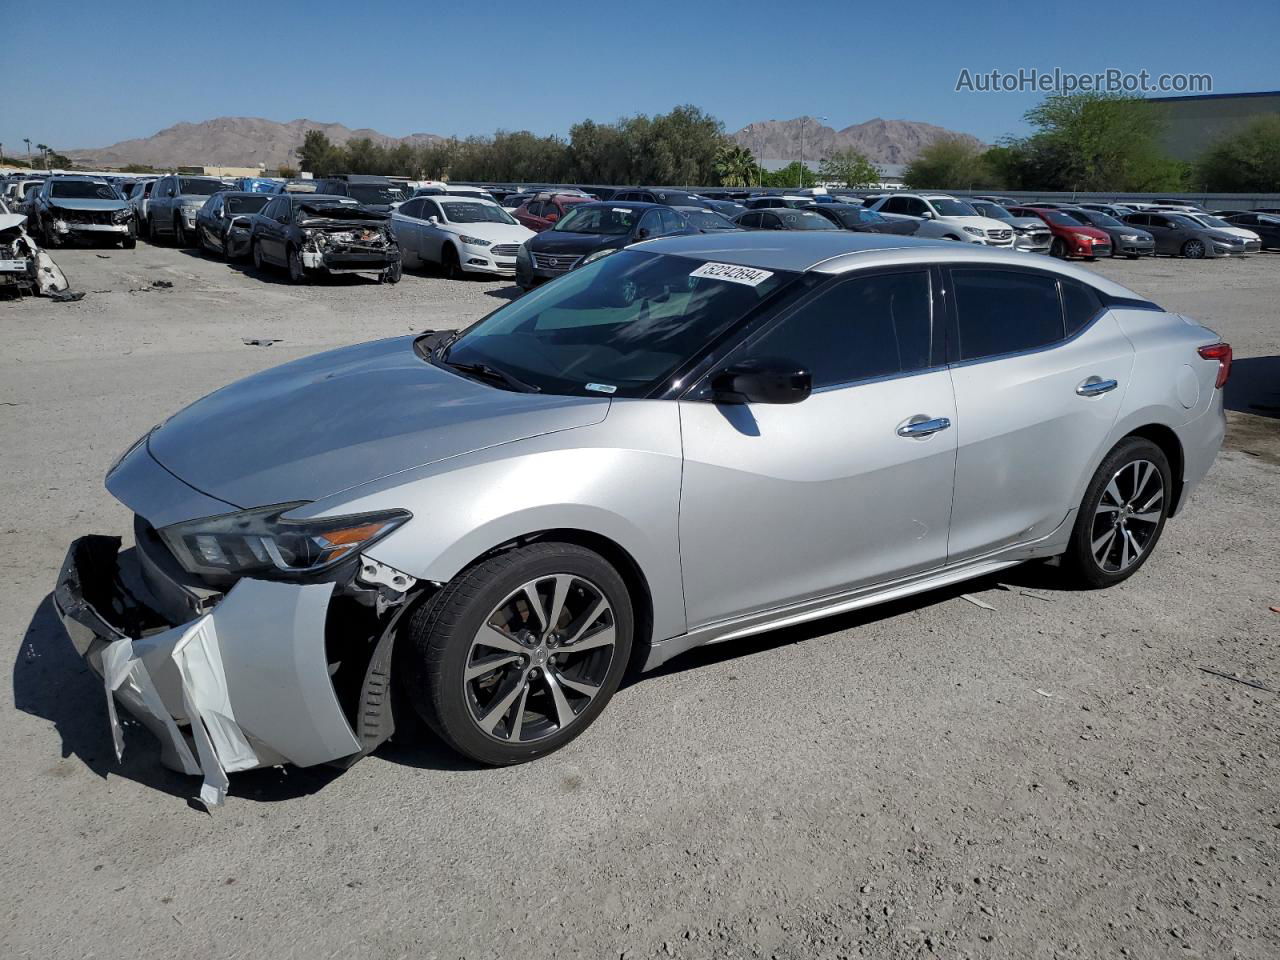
x=734, y=165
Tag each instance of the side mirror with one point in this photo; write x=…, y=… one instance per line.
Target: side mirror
x=552, y=217
x=433, y=219
x=928, y=215
x=642, y=233
x=762, y=381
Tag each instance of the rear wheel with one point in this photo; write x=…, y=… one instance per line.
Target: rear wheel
x=1122, y=515
x=1193, y=249
x=519, y=654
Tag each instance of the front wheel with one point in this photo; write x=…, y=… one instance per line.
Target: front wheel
x=1122, y=515
x=258, y=263
x=518, y=655
x=392, y=274
x=297, y=272
x=1058, y=248
x=1193, y=249
x=450, y=266
x=179, y=233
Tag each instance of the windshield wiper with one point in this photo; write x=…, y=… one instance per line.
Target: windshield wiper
x=493, y=373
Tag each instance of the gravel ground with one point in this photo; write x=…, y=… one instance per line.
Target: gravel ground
x=1057, y=777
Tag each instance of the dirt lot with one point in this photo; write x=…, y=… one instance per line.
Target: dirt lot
x=1057, y=777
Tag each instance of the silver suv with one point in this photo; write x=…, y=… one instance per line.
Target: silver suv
x=174, y=202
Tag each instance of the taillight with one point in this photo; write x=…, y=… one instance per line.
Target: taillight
x=1222, y=353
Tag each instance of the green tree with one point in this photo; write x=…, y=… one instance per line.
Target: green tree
x=1093, y=141
x=1245, y=162
x=318, y=155
x=137, y=168
x=949, y=163
x=286, y=171
x=735, y=166
x=849, y=168
x=793, y=174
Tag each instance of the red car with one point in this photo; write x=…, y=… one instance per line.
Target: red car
x=546, y=209
x=1070, y=237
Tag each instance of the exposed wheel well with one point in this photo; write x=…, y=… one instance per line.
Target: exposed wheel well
x=1171, y=446
x=622, y=561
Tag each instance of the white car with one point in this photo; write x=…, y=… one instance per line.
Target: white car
x=948, y=218
x=459, y=234
x=1253, y=241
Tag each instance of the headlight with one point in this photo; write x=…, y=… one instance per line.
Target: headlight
x=475, y=241
x=597, y=255
x=261, y=542
x=1084, y=237
x=1129, y=236
x=976, y=231
x=122, y=216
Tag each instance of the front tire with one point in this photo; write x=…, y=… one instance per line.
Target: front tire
x=517, y=655
x=258, y=263
x=450, y=265
x=1193, y=250
x=1058, y=248
x=297, y=272
x=179, y=234
x=1122, y=514
x=392, y=274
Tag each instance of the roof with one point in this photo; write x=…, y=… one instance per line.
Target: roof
x=629, y=204
x=838, y=251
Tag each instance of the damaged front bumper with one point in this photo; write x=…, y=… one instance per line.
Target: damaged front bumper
x=247, y=683
x=349, y=261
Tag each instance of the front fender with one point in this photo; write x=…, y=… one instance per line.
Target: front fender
x=618, y=479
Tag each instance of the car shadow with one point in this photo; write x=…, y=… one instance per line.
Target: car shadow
x=1254, y=386
x=506, y=293
x=52, y=682
x=1037, y=576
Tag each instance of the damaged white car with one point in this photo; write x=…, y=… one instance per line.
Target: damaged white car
x=25, y=269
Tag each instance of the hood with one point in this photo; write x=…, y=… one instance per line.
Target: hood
x=576, y=244
x=983, y=223
x=1034, y=222
x=497, y=232
x=9, y=221
x=67, y=203
x=323, y=424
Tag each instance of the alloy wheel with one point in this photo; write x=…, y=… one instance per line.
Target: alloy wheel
x=539, y=658
x=1194, y=250
x=1127, y=516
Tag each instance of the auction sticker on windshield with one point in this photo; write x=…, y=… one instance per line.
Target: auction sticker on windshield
x=733, y=273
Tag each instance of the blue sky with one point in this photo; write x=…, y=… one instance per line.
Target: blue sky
x=91, y=74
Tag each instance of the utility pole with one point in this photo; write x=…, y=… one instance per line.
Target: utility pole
x=27, y=141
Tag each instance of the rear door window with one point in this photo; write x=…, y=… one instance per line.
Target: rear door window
x=999, y=312
x=1080, y=304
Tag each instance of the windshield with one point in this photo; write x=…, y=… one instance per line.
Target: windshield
x=376, y=193
x=804, y=220
x=602, y=221
x=708, y=220
x=617, y=327
x=190, y=187
x=83, y=190
x=1100, y=219
x=248, y=204
x=475, y=213
x=993, y=210
x=953, y=208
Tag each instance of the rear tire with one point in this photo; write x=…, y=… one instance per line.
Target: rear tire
x=495, y=681
x=1121, y=516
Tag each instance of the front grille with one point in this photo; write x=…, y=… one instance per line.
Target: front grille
x=86, y=216
x=504, y=250
x=554, y=263
x=1001, y=235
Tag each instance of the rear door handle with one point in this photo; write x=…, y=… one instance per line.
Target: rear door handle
x=1096, y=387
x=925, y=427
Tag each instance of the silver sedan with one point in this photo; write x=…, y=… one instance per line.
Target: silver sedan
x=688, y=441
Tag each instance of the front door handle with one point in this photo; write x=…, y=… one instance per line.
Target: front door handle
x=923, y=427
x=1096, y=387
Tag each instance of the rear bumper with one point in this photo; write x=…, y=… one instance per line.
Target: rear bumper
x=1201, y=439
x=245, y=684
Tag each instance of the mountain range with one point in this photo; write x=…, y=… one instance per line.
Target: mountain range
x=777, y=143
x=253, y=141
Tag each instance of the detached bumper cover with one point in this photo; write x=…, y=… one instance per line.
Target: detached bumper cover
x=245, y=685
